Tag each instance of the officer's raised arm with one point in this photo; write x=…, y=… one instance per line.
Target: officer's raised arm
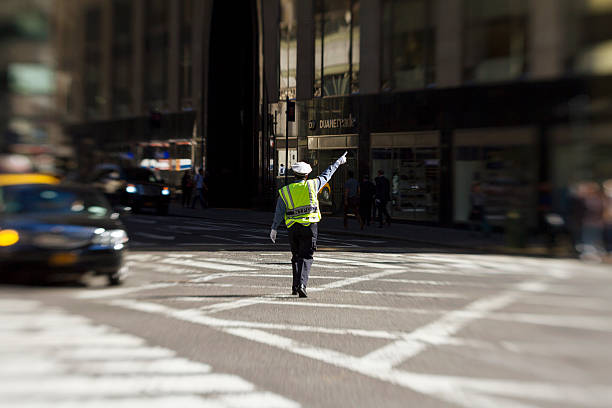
x=329, y=172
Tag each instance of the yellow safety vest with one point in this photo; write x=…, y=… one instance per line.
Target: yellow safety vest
x=301, y=202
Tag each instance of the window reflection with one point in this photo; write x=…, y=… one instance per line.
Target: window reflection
x=590, y=40
x=336, y=47
x=495, y=39
x=288, y=49
x=408, y=44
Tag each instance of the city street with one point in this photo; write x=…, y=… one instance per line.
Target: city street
x=206, y=318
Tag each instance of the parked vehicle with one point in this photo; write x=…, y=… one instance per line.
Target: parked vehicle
x=135, y=187
x=51, y=232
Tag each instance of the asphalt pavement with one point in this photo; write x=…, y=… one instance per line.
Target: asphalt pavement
x=206, y=318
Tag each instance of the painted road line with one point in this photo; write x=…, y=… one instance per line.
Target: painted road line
x=120, y=371
x=446, y=326
x=206, y=265
x=462, y=391
x=325, y=258
x=101, y=293
x=196, y=316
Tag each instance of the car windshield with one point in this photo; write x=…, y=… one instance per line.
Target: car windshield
x=52, y=200
x=141, y=175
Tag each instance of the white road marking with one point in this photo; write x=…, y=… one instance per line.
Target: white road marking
x=467, y=392
x=101, y=367
x=101, y=293
x=198, y=317
x=446, y=326
x=205, y=264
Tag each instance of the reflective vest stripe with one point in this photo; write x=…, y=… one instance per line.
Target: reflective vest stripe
x=284, y=196
x=288, y=192
x=307, y=210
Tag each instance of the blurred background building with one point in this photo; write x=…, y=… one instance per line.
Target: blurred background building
x=440, y=94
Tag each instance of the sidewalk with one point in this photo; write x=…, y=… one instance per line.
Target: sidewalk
x=438, y=236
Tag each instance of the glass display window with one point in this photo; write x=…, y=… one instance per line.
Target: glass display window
x=503, y=162
x=413, y=171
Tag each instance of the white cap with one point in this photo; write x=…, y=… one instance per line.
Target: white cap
x=301, y=168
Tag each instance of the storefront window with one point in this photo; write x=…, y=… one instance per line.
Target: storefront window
x=288, y=49
x=495, y=40
x=336, y=47
x=408, y=44
x=413, y=171
x=589, y=36
x=503, y=163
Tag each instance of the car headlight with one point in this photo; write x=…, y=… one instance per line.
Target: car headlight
x=131, y=189
x=110, y=238
x=8, y=237
x=165, y=191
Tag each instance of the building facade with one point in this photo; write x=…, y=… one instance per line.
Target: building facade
x=439, y=94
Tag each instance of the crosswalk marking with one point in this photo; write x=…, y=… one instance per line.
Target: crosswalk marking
x=41, y=366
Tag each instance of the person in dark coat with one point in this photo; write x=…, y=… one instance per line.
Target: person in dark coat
x=186, y=188
x=383, y=196
x=366, y=199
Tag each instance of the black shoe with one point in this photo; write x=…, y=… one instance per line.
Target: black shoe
x=294, y=291
x=302, y=291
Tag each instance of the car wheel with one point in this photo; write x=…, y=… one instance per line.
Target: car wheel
x=116, y=278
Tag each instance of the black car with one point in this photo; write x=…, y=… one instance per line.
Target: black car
x=52, y=232
x=135, y=187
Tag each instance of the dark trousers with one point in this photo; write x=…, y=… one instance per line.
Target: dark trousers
x=186, y=196
x=382, y=210
x=303, y=242
x=365, y=209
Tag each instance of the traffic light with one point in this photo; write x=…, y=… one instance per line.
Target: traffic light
x=291, y=111
x=155, y=119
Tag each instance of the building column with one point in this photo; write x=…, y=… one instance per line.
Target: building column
x=138, y=57
x=174, y=56
x=448, y=22
x=271, y=49
x=106, y=57
x=305, y=50
x=545, y=34
x=370, y=46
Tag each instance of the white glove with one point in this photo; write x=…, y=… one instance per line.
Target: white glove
x=342, y=159
x=273, y=235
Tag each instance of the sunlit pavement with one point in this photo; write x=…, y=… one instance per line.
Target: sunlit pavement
x=206, y=319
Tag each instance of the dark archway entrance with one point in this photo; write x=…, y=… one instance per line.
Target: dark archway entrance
x=232, y=90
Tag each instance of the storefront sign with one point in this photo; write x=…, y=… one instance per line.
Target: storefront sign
x=341, y=123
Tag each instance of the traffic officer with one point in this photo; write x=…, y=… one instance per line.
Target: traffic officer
x=299, y=205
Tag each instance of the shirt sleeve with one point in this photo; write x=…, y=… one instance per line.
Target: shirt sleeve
x=327, y=175
x=279, y=214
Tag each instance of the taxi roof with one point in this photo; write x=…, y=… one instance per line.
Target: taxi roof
x=27, y=178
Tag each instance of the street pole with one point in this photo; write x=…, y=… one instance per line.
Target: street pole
x=286, y=136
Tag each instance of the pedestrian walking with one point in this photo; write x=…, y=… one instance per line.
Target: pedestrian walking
x=367, y=192
x=351, y=199
x=299, y=206
x=200, y=189
x=383, y=196
x=186, y=188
